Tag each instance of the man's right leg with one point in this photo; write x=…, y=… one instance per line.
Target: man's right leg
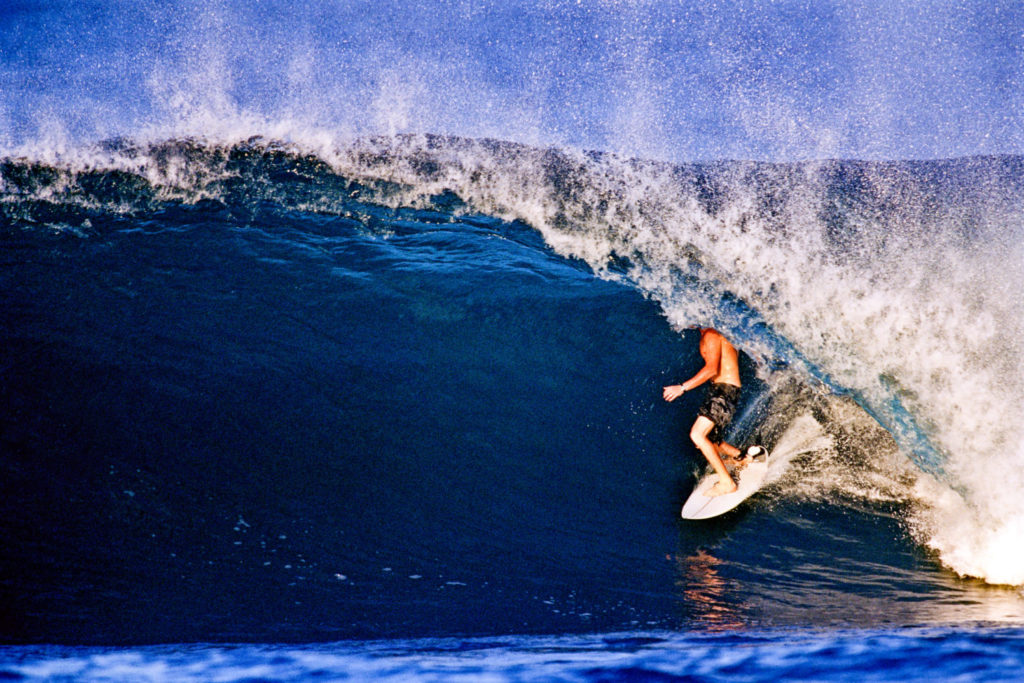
x=728, y=450
x=702, y=427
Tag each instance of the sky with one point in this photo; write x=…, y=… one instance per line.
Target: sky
x=672, y=80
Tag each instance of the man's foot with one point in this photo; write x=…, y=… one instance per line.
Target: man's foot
x=743, y=458
x=722, y=488
x=737, y=463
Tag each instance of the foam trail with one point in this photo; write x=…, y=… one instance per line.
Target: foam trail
x=803, y=436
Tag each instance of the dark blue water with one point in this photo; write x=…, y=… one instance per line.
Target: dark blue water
x=234, y=418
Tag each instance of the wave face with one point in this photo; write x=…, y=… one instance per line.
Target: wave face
x=257, y=390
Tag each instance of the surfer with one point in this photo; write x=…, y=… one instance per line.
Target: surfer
x=722, y=368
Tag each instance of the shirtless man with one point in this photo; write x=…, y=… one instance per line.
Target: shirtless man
x=722, y=367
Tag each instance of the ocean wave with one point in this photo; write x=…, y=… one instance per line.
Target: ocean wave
x=872, y=283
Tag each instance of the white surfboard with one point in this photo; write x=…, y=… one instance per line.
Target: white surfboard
x=748, y=479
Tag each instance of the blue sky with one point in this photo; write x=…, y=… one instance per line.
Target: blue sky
x=672, y=80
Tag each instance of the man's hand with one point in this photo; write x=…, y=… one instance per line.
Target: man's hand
x=673, y=392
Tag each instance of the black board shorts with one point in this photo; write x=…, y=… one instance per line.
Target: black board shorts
x=719, y=406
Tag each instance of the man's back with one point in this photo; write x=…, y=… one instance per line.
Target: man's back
x=716, y=348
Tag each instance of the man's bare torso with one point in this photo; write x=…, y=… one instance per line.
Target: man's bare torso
x=728, y=359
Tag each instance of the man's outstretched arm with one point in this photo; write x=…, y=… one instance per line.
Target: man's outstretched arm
x=711, y=350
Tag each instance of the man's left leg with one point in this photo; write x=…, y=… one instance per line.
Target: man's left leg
x=699, y=434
